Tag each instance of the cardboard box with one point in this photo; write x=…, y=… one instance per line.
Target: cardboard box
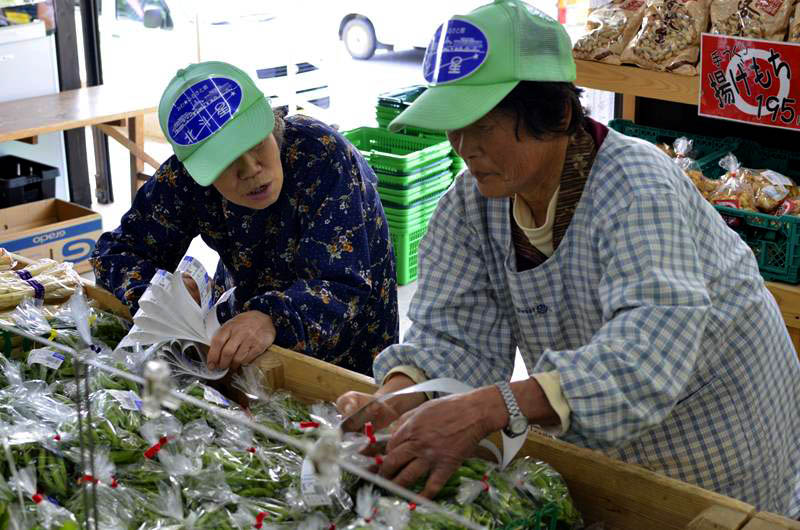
x=53, y=229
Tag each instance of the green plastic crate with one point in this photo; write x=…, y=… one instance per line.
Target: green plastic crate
x=384, y=121
x=752, y=155
x=397, y=154
x=406, y=243
x=420, y=211
x=409, y=221
x=775, y=241
x=403, y=181
x=706, y=149
x=438, y=184
x=458, y=164
x=402, y=98
x=386, y=112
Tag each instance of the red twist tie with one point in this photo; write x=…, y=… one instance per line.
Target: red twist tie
x=260, y=519
x=412, y=506
x=485, y=482
x=87, y=478
x=114, y=482
x=309, y=425
x=252, y=450
x=37, y=498
x=369, y=431
x=378, y=460
x=57, y=437
x=153, y=450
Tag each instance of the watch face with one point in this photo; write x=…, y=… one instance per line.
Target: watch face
x=519, y=425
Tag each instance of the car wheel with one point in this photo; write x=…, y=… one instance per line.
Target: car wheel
x=359, y=38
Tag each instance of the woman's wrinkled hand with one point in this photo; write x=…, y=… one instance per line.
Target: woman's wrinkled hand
x=241, y=340
x=434, y=439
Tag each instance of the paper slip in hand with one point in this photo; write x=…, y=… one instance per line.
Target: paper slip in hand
x=167, y=311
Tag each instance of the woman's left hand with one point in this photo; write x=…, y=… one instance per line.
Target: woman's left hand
x=435, y=438
x=241, y=340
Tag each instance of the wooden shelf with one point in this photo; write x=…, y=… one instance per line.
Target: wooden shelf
x=634, y=81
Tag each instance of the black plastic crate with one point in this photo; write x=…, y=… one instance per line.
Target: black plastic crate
x=23, y=180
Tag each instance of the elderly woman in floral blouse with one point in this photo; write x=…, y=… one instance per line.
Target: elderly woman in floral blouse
x=291, y=208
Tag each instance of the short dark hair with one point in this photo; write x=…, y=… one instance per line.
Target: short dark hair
x=541, y=106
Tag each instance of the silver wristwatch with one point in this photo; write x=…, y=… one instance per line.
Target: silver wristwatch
x=517, y=422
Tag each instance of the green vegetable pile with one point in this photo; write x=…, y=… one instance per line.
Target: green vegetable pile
x=191, y=469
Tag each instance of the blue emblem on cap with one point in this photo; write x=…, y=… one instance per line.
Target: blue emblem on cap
x=463, y=51
x=203, y=109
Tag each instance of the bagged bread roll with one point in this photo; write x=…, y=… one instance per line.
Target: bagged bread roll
x=794, y=25
x=706, y=186
x=757, y=19
x=770, y=187
x=669, y=40
x=735, y=189
x=610, y=28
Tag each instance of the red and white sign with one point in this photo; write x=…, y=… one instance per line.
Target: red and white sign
x=750, y=80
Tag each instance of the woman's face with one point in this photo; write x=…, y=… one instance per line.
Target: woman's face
x=502, y=164
x=254, y=180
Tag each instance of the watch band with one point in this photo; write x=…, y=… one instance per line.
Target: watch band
x=517, y=422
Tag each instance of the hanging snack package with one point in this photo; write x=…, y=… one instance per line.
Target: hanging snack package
x=735, y=191
x=756, y=19
x=610, y=28
x=669, y=40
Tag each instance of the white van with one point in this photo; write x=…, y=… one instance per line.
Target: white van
x=366, y=25
x=146, y=41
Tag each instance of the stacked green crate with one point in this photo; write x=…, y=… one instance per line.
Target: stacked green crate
x=391, y=104
x=413, y=173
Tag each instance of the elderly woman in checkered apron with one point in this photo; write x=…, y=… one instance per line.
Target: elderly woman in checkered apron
x=642, y=319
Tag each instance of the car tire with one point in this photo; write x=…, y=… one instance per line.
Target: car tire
x=359, y=38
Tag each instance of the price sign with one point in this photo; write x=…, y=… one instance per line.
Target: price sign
x=750, y=80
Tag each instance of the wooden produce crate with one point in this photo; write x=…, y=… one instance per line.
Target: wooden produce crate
x=770, y=521
x=621, y=495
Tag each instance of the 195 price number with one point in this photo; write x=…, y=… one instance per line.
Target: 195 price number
x=779, y=109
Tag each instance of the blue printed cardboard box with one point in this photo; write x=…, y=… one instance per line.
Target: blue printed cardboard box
x=53, y=229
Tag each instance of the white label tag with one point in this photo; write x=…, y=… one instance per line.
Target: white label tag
x=213, y=396
x=313, y=494
x=127, y=399
x=48, y=358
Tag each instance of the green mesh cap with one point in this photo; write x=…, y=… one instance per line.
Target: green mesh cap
x=212, y=113
x=481, y=58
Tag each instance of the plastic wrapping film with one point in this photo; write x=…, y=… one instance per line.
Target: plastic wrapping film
x=208, y=463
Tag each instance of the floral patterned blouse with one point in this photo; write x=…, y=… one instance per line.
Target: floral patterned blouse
x=319, y=261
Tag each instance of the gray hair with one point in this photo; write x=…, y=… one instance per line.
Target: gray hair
x=280, y=126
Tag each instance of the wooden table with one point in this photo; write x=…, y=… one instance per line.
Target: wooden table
x=106, y=107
